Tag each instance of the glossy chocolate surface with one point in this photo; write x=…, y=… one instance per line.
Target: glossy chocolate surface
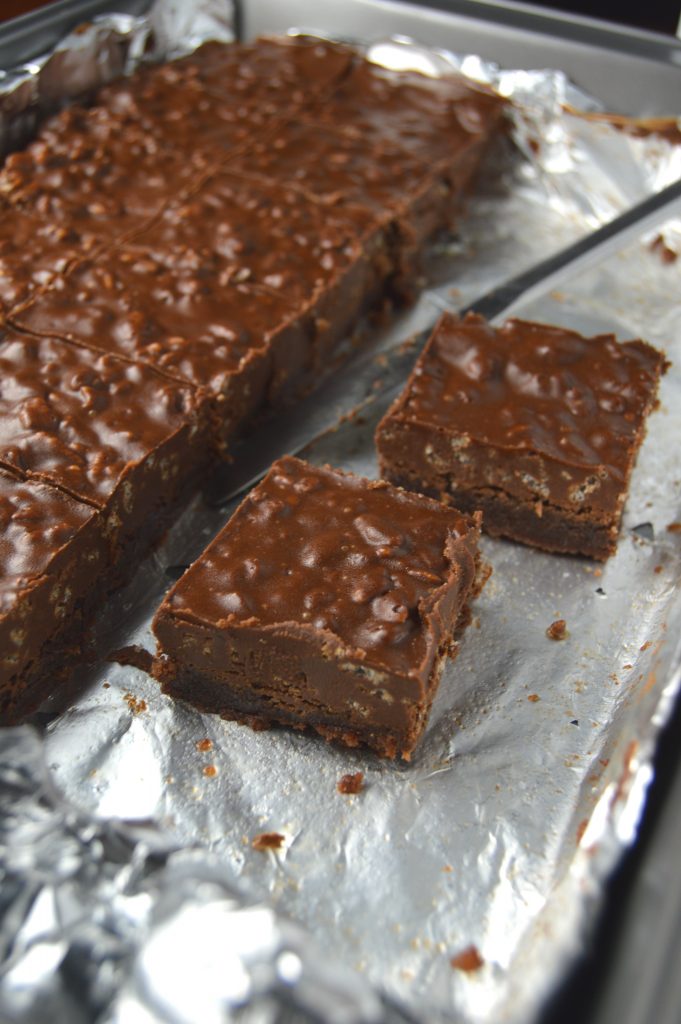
x=432, y=118
x=533, y=387
x=78, y=419
x=36, y=523
x=331, y=166
x=217, y=99
x=181, y=316
x=292, y=69
x=338, y=555
x=97, y=175
x=262, y=235
x=33, y=253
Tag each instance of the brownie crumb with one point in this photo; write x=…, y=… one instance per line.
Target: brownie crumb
x=468, y=959
x=674, y=528
x=557, y=630
x=204, y=745
x=664, y=251
x=137, y=706
x=210, y=771
x=533, y=697
x=646, y=645
x=268, y=841
x=351, y=784
x=133, y=655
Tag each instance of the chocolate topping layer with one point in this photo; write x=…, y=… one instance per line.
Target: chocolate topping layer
x=533, y=387
x=257, y=234
x=289, y=70
x=78, y=419
x=99, y=176
x=356, y=560
x=332, y=166
x=182, y=316
x=32, y=254
x=432, y=118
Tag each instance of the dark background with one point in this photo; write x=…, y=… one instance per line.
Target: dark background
x=654, y=15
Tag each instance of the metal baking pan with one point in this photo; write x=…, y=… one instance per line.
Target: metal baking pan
x=637, y=74
x=631, y=72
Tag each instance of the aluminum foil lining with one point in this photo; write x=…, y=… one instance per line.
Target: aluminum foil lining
x=452, y=889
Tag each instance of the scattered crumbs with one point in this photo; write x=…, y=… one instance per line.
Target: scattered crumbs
x=106, y=686
x=448, y=868
x=657, y=569
x=674, y=528
x=268, y=841
x=534, y=697
x=598, y=572
x=135, y=705
x=351, y=784
x=627, y=666
x=170, y=779
x=664, y=251
x=646, y=645
x=497, y=788
x=574, y=721
x=614, y=677
x=557, y=630
x=133, y=655
x=604, y=761
x=468, y=959
x=581, y=829
x=204, y=745
x=210, y=771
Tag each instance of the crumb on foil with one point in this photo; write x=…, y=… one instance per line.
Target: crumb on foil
x=468, y=960
x=351, y=784
x=557, y=630
x=268, y=841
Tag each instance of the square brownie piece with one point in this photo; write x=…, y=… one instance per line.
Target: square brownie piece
x=329, y=263
x=534, y=425
x=327, y=602
x=93, y=176
x=115, y=435
x=184, y=317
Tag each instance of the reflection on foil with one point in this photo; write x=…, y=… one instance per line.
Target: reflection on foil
x=114, y=924
x=133, y=885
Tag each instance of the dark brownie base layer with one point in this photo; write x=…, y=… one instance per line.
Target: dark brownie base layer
x=536, y=523
x=263, y=710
